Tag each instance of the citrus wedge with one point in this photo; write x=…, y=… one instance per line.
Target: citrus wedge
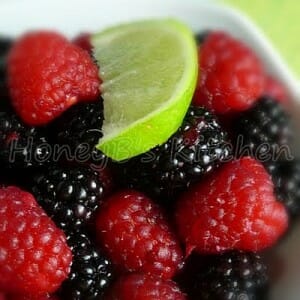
x=149, y=72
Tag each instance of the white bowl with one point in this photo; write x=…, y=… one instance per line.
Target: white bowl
x=72, y=17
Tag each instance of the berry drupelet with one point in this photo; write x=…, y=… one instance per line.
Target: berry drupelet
x=264, y=127
x=80, y=129
x=194, y=150
x=286, y=178
x=21, y=146
x=231, y=276
x=232, y=76
x=91, y=272
x=70, y=196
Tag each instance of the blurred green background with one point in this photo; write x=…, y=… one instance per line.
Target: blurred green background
x=280, y=20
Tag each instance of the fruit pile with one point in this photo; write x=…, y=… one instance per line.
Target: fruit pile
x=191, y=218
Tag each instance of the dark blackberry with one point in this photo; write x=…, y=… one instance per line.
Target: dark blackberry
x=198, y=147
x=91, y=272
x=5, y=44
x=231, y=276
x=21, y=146
x=201, y=36
x=79, y=128
x=264, y=128
x=286, y=178
x=70, y=196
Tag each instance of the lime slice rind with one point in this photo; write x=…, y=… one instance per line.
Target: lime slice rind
x=139, y=126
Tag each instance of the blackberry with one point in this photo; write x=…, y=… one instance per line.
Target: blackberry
x=199, y=146
x=91, y=272
x=286, y=178
x=5, y=44
x=79, y=128
x=231, y=276
x=201, y=37
x=21, y=146
x=265, y=127
x=70, y=196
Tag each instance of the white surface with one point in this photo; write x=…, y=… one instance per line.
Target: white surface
x=71, y=17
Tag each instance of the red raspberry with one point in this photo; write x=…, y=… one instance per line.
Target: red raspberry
x=235, y=208
x=34, y=256
x=136, y=235
x=24, y=297
x=2, y=296
x=275, y=89
x=47, y=74
x=141, y=286
x=83, y=41
x=231, y=76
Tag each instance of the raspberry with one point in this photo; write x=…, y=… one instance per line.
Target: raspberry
x=286, y=178
x=141, y=286
x=24, y=297
x=275, y=89
x=47, y=74
x=83, y=41
x=2, y=296
x=232, y=275
x=197, y=148
x=265, y=127
x=34, y=255
x=234, y=209
x=91, y=271
x=136, y=235
x=70, y=196
x=25, y=142
x=231, y=76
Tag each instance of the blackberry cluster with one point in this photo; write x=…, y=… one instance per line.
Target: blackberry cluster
x=198, y=147
x=231, y=276
x=21, y=146
x=265, y=127
x=286, y=178
x=70, y=196
x=91, y=272
x=79, y=128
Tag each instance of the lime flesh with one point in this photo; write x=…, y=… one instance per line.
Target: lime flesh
x=149, y=72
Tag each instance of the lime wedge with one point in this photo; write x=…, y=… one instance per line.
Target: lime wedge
x=149, y=73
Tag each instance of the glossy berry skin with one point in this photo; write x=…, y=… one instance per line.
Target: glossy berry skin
x=265, y=127
x=70, y=196
x=231, y=276
x=286, y=178
x=234, y=209
x=27, y=143
x=136, y=235
x=47, y=75
x=142, y=286
x=79, y=128
x=91, y=272
x=231, y=76
x=198, y=147
x=34, y=255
